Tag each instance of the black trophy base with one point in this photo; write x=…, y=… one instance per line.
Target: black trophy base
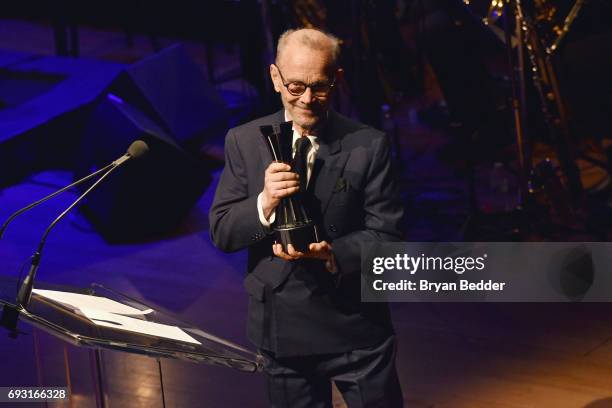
x=299, y=237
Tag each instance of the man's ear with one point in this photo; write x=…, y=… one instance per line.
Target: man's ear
x=275, y=78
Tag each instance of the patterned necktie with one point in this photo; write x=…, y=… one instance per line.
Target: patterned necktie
x=300, y=160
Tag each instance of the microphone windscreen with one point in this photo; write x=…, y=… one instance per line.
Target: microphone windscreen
x=138, y=149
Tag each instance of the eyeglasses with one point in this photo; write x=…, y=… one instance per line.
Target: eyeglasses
x=297, y=88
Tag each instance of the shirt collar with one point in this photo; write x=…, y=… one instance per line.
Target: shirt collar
x=313, y=139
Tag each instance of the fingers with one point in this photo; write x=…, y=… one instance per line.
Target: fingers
x=283, y=185
x=277, y=194
x=318, y=250
x=278, y=251
x=277, y=171
x=280, y=182
x=319, y=246
x=282, y=176
x=294, y=252
x=275, y=167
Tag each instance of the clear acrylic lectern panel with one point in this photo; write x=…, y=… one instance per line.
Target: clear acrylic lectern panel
x=109, y=320
x=81, y=328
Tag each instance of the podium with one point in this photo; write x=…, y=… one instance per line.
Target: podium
x=98, y=319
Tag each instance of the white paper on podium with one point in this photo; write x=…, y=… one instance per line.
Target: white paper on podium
x=131, y=324
x=106, y=312
x=100, y=303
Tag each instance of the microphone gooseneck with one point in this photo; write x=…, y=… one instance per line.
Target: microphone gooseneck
x=136, y=150
x=25, y=291
x=50, y=196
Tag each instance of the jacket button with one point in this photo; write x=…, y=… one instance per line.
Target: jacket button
x=333, y=228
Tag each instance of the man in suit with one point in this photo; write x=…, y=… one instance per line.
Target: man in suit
x=305, y=313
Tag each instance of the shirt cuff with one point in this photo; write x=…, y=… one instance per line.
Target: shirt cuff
x=262, y=218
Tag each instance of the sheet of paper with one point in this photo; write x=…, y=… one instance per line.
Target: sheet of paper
x=99, y=303
x=102, y=318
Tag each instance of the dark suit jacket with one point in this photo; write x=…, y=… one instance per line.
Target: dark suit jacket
x=298, y=308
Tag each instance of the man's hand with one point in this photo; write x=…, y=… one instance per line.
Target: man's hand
x=318, y=250
x=279, y=182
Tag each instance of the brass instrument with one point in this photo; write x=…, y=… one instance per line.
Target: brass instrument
x=548, y=19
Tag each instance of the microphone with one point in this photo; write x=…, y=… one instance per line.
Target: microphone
x=137, y=150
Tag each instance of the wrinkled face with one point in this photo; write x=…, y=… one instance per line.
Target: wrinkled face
x=299, y=63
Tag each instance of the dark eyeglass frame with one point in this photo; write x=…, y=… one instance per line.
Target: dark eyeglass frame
x=319, y=93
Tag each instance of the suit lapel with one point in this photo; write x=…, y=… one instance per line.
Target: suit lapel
x=266, y=156
x=329, y=163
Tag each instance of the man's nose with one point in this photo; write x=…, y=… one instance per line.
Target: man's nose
x=308, y=96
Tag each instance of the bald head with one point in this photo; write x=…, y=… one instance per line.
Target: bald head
x=311, y=38
x=307, y=59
